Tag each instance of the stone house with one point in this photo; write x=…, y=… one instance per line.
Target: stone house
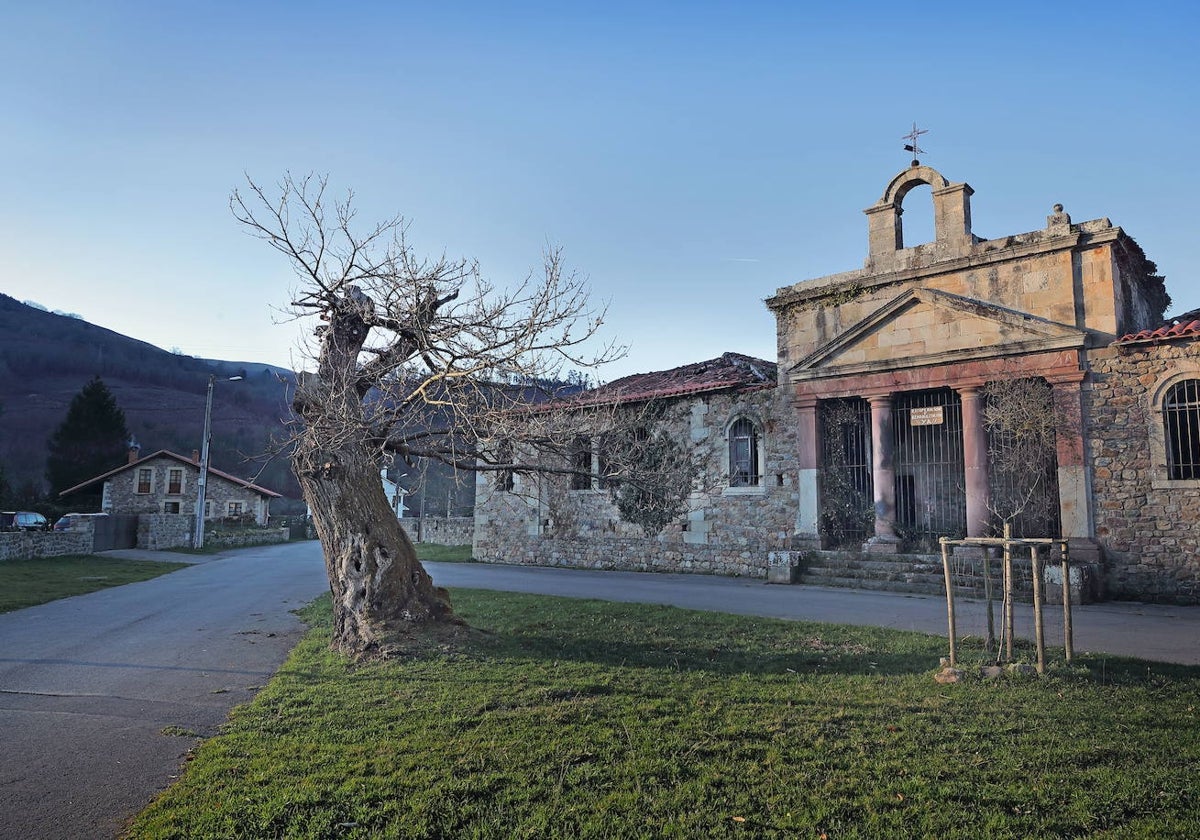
x=1144, y=451
x=741, y=508
x=880, y=433
x=166, y=483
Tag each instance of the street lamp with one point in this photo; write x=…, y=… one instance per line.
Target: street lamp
x=202, y=484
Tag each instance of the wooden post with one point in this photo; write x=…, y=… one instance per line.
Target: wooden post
x=987, y=594
x=1068, y=630
x=1008, y=594
x=1038, y=629
x=949, y=599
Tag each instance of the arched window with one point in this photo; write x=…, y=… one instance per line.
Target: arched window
x=744, y=467
x=1181, y=430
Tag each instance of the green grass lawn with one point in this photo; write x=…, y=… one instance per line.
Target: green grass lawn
x=583, y=719
x=443, y=553
x=26, y=583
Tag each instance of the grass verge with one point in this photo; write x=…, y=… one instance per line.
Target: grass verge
x=443, y=553
x=582, y=719
x=26, y=583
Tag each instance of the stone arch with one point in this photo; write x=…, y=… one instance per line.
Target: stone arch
x=909, y=178
x=1179, y=371
x=951, y=212
x=745, y=449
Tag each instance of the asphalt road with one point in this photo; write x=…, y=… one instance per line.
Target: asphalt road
x=89, y=685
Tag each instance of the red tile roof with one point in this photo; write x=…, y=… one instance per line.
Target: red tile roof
x=731, y=371
x=1186, y=325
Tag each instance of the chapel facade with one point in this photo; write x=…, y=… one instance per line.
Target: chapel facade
x=900, y=396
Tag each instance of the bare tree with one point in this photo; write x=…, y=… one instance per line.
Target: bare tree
x=1023, y=424
x=414, y=359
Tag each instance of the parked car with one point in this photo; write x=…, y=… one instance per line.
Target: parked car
x=69, y=520
x=23, y=520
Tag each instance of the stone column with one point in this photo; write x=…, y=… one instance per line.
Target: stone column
x=808, y=511
x=975, y=463
x=884, y=476
x=1074, y=498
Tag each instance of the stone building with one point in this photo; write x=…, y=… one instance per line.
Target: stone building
x=166, y=483
x=1144, y=450
x=881, y=434
x=741, y=508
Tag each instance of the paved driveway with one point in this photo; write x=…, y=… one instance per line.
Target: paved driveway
x=89, y=684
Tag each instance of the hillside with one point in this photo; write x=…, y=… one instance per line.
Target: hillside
x=46, y=358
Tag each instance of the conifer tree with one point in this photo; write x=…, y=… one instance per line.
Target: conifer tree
x=4, y=489
x=90, y=441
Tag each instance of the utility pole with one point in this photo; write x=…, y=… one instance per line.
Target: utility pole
x=202, y=484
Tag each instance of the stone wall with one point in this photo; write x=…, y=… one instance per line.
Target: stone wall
x=24, y=544
x=726, y=530
x=161, y=531
x=1147, y=525
x=243, y=538
x=439, y=530
x=629, y=554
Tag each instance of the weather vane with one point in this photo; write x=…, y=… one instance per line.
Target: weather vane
x=912, y=146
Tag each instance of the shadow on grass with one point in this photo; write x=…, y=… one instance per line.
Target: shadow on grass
x=517, y=626
x=715, y=659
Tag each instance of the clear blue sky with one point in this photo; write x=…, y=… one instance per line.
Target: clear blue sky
x=690, y=158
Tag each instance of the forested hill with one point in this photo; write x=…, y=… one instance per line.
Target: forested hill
x=46, y=358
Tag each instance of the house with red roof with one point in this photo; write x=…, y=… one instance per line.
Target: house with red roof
x=166, y=483
x=950, y=388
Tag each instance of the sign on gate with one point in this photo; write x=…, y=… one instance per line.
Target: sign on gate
x=926, y=416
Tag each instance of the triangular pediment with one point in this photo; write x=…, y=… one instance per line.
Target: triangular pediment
x=931, y=327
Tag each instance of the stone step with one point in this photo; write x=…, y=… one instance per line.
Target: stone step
x=871, y=584
x=896, y=577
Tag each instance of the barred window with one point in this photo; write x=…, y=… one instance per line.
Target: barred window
x=505, y=479
x=1181, y=428
x=744, y=468
x=582, y=469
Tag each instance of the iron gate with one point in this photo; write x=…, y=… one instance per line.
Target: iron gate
x=928, y=461
x=1022, y=458
x=847, y=490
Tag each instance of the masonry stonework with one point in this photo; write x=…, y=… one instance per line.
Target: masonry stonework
x=439, y=530
x=27, y=544
x=1148, y=525
x=726, y=530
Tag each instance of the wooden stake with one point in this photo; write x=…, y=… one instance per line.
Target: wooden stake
x=1008, y=594
x=987, y=594
x=1068, y=630
x=1038, y=629
x=949, y=600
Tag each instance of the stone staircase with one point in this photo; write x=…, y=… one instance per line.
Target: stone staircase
x=916, y=573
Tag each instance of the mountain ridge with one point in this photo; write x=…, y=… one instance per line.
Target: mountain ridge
x=47, y=357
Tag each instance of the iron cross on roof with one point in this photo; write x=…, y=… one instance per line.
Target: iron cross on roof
x=912, y=146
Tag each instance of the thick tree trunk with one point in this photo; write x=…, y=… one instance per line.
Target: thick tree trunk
x=379, y=587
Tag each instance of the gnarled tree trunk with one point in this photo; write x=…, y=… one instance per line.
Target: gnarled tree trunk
x=378, y=585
